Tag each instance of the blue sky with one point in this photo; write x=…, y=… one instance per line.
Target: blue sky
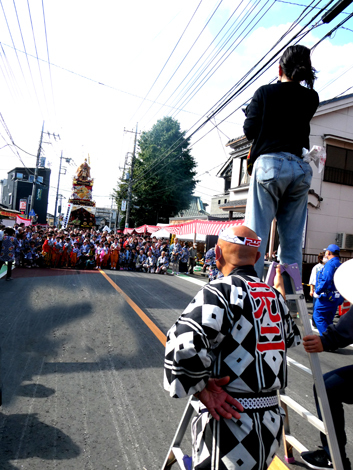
x=114, y=64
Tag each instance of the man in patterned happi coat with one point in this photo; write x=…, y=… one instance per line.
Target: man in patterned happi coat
x=228, y=348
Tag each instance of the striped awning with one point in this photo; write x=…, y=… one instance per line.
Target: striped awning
x=201, y=227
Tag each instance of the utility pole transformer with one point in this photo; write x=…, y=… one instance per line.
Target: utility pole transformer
x=129, y=192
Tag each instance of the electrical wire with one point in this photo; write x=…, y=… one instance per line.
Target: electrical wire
x=93, y=80
x=49, y=63
x=225, y=55
x=165, y=64
x=301, y=5
x=9, y=30
x=35, y=47
x=185, y=56
x=335, y=79
x=343, y=92
x=7, y=72
x=327, y=35
x=292, y=27
x=29, y=66
x=218, y=45
x=294, y=24
x=224, y=102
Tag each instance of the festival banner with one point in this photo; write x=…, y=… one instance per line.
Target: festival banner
x=23, y=220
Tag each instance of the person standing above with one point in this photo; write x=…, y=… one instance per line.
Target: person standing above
x=328, y=296
x=228, y=348
x=278, y=121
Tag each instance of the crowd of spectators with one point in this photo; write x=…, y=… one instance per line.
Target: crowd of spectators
x=38, y=246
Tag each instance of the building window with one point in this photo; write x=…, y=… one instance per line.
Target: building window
x=227, y=184
x=219, y=201
x=225, y=201
x=244, y=176
x=10, y=199
x=339, y=165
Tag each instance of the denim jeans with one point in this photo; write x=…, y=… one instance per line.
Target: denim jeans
x=338, y=388
x=279, y=188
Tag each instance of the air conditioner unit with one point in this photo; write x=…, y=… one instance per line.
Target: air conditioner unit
x=345, y=241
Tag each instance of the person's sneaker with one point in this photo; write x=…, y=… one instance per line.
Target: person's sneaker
x=317, y=459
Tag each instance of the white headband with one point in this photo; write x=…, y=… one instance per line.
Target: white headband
x=228, y=236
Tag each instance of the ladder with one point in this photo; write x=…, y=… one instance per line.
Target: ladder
x=175, y=453
x=326, y=425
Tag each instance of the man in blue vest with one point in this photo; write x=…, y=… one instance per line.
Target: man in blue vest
x=329, y=298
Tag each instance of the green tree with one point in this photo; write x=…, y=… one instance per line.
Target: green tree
x=164, y=175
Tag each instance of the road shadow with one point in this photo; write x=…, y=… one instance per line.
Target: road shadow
x=44, y=442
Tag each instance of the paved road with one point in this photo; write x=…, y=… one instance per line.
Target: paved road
x=83, y=374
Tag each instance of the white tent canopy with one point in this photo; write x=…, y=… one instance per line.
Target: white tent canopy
x=190, y=237
x=162, y=233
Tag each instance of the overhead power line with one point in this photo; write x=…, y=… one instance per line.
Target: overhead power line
x=24, y=47
x=49, y=64
x=219, y=45
x=228, y=99
x=170, y=55
x=97, y=82
x=186, y=55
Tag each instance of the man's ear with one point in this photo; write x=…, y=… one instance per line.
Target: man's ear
x=258, y=254
x=280, y=71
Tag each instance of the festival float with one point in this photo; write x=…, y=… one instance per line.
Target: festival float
x=82, y=208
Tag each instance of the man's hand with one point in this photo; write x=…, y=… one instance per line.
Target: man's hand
x=278, y=282
x=312, y=343
x=218, y=401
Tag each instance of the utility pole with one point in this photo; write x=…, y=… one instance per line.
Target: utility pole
x=36, y=170
x=68, y=160
x=129, y=192
x=110, y=215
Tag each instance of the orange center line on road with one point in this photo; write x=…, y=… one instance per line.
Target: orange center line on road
x=155, y=330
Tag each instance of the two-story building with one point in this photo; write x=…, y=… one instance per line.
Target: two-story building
x=330, y=205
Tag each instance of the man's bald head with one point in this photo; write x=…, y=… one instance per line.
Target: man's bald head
x=234, y=254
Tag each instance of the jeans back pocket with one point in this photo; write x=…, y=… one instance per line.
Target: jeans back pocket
x=268, y=168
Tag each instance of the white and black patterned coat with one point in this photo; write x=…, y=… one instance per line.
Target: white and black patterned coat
x=236, y=326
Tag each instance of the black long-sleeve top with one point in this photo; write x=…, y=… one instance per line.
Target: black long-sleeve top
x=339, y=335
x=278, y=118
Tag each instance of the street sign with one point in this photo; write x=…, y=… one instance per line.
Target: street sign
x=31, y=213
x=123, y=205
x=23, y=205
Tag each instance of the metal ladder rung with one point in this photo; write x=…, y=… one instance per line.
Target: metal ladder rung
x=292, y=362
x=295, y=443
x=312, y=419
x=294, y=296
x=178, y=454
